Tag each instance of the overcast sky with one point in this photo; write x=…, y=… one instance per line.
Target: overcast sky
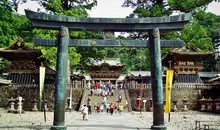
x=110, y=8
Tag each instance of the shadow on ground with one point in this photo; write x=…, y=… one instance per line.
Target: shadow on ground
x=110, y=126
x=41, y=127
x=32, y=127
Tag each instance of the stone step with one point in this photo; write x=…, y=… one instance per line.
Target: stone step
x=114, y=99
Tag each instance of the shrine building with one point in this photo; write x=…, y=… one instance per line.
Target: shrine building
x=187, y=66
x=24, y=68
x=106, y=70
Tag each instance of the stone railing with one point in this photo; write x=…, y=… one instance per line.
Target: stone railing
x=176, y=86
x=209, y=105
x=18, y=85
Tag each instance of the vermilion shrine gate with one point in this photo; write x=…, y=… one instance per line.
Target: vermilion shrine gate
x=152, y=25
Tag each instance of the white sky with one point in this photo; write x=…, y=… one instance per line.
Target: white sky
x=110, y=8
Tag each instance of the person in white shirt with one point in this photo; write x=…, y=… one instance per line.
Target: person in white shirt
x=104, y=98
x=85, y=112
x=101, y=108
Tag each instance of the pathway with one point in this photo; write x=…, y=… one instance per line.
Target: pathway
x=105, y=121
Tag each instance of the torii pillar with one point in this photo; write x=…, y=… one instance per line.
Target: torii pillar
x=61, y=79
x=156, y=79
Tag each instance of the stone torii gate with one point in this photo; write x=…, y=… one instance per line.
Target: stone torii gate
x=152, y=25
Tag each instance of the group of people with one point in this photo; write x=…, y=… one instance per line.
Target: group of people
x=109, y=108
x=86, y=110
x=102, y=107
x=103, y=89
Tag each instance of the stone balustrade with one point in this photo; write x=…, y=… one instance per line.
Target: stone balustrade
x=209, y=105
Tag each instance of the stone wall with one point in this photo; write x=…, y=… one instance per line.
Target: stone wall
x=29, y=94
x=192, y=95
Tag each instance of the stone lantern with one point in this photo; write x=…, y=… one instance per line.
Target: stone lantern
x=209, y=104
x=45, y=105
x=19, y=100
x=35, y=105
x=151, y=105
x=174, y=109
x=217, y=109
x=185, y=100
x=12, y=105
x=203, y=103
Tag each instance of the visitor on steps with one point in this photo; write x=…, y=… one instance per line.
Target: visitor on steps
x=112, y=107
x=91, y=91
x=121, y=108
x=112, y=93
x=98, y=108
x=85, y=112
x=101, y=108
x=105, y=104
x=95, y=107
x=104, y=98
x=119, y=98
x=88, y=101
x=89, y=109
x=107, y=107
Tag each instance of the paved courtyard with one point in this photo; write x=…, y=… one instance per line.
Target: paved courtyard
x=104, y=121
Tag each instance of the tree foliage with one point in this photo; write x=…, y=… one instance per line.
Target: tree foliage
x=79, y=57
x=11, y=25
x=199, y=33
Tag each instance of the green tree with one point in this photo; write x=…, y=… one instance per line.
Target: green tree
x=11, y=24
x=195, y=35
x=200, y=33
x=80, y=58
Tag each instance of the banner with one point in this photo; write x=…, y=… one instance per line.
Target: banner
x=169, y=81
x=41, y=85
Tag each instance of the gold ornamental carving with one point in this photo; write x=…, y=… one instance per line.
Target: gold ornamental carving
x=93, y=43
x=156, y=33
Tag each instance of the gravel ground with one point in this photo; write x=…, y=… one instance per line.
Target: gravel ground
x=184, y=120
x=35, y=120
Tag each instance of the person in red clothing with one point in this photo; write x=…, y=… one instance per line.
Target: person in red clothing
x=112, y=107
x=98, y=108
x=97, y=85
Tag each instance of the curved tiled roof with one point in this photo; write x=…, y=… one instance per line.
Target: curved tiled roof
x=188, y=79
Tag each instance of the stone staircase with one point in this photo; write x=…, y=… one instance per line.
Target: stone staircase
x=99, y=99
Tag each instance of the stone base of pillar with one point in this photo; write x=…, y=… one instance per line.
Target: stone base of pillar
x=159, y=127
x=58, y=127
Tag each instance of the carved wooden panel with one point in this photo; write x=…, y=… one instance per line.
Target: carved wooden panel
x=187, y=67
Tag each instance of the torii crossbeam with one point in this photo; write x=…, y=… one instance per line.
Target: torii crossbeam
x=166, y=23
x=152, y=25
x=109, y=43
